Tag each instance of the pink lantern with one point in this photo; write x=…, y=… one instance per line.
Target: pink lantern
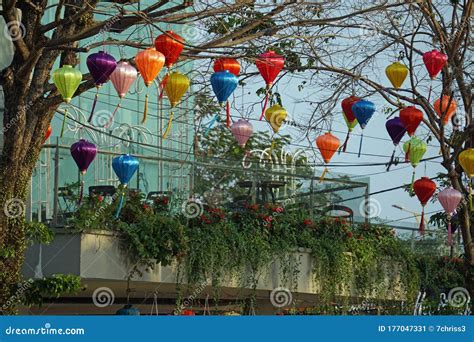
x=122, y=78
x=449, y=199
x=242, y=130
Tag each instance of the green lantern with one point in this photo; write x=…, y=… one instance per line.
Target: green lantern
x=67, y=80
x=414, y=150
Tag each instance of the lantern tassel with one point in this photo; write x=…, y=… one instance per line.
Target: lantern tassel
x=450, y=232
x=227, y=110
x=323, y=175
x=81, y=193
x=163, y=85
x=211, y=123
x=107, y=125
x=344, y=146
x=96, y=97
x=412, y=182
x=145, y=110
x=265, y=104
x=119, y=207
x=64, y=123
x=390, y=163
x=407, y=153
x=168, y=128
x=422, y=223
x=360, y=144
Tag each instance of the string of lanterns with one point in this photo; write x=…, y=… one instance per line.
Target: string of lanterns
x=356, y=111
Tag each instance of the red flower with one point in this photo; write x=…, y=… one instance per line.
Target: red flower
x=349, y=234
x=278, y=210
x=145, y=206
x=100, y=198
x=254, y=207
x=307, y=222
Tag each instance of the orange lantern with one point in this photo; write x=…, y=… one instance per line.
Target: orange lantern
x=48, y=133
x=327, y=145
x=149, y=63
x=445, y=107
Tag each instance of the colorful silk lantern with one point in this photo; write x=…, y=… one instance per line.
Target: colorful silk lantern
x=396, y=73
x=396, y=130
x=424, y=189
x=170, y=45
x=122, y=78
x=242, y=131
x=327, y=145
x=434, y=62
x=411, y=118
x=363, y=111
x=275, y=116
x=124, y=167
x=231, y=64
x=100, y=65
x=414, y=150
x=223, y=84
x=67, y=80
x=83, y=153
x=349, y=117
x=445, y=107
x=175, y=88
x=449, y=199
x=466, y=160
x=47, y=134
x=149, y=63
x=269, y=64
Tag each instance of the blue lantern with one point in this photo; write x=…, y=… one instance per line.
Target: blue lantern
x=124, y=167
x=363, y=111
x=128, y=310
x=223, y=84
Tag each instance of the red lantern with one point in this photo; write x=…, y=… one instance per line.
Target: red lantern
x=230, y=64
x=170, y=45
x=48, y=133
x=349, y=117
x=269, y=64
x=424, y=189
x=445, y=107
x=411, y=118
x=434, y=62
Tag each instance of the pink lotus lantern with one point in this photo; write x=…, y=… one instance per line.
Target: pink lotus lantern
x=242, y=130
x=449, y=199
x=122, y=78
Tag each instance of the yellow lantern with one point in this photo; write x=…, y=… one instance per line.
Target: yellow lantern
x=176, y=85
x=275, y=115
x=466, y=159
x=396, y=73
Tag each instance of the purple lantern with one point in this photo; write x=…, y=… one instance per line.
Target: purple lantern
x=396, y=130
x=83, y=153
x=100, y=65
x=122, y=78
x=242, y=130
x=449, y=199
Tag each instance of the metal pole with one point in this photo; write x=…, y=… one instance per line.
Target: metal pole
x=366, y=214
x=56, y=184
